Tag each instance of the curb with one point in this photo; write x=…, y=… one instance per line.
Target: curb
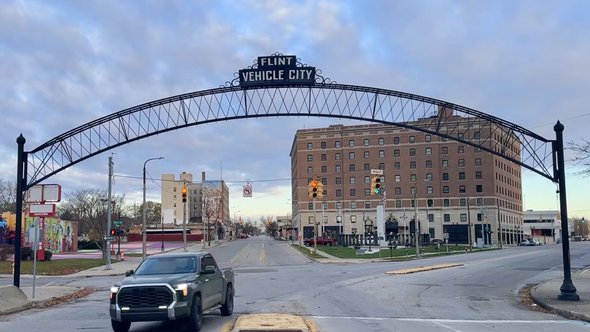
x=562, y=312
x=82, y=292
x=423, y=268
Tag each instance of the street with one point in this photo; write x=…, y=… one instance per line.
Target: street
x=480, y=295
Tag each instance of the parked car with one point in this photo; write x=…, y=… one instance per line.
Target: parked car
x=321, y=241
x=172, y=286
x=529, y=243
x=435, y=242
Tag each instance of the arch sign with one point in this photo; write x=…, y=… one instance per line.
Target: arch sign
x=281, y=85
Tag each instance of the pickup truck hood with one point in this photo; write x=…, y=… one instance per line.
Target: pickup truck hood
x=171, y=279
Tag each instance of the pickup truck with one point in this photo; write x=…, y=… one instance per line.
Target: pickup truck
x=174, y=287
x=321, y=241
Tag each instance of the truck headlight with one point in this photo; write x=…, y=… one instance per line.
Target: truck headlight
x=114, y=290
x=182, y=288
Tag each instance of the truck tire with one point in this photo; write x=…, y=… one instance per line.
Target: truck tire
x=120, y=326
x=195, y=320
x=227, y=308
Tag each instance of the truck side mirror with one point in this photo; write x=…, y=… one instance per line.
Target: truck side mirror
x=129, y=273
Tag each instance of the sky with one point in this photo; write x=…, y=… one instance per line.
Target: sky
x=66, y=63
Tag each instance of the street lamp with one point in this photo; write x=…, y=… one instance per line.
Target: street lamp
x=143, y=228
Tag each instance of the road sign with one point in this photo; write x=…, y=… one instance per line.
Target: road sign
x=118, y=222
x=376, y=172
x=109, y=238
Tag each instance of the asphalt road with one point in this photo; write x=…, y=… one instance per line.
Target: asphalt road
x=481, y=295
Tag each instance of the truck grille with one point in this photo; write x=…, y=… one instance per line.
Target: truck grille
x=145, y=296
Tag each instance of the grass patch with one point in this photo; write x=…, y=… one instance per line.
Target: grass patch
x=398, y=253
x=54, y=268
x=309, y=251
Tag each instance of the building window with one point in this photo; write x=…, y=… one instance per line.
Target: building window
x=446, y=202
x=367, y=179
x=309, y=146
x=323, y=145
x=461, y=175
x=366, y=142
x=353, y=205
x=461, y=163
x=462, y=202
x=463, y=217
x=353, y=219
x=428, y=176
x=352, y=180
x=338, y=192
x=478, y=175
x=412, y=152
x=381, y=141
x=429, y=190
x=398, y=203
x=413, y=203
x=478, y=188
x=445, y=163
x=445, y=176
x=352, y=192
x=412, y=139
x=337, y=168
x=309, y=169
x=366, y=154
x=398, y=178
x=412, y=177
x=396, y=140
x=337, y=156
x=381, y=154
x=351, y=155
x=476, y=135
x=427, y=138
x=477, y=161
x=324, y=157
x=447, y=217
x=396, y=153
x=324, y=206
x=445, y=189
x=367, y=204
x=462, y=189
x=444, y=150
x=324, y=169
x=366, y=167
x=461, y=135
x=309, y=157
x=337, y=144
x=428, y=163
x=338, y=205
x=479, y=201
x=460, y=149
x=351, y=143
x=382, y=166
x=430, y=202
x=428, y=151
x=338, y=180
x=398, y=190
x=352, y=168
x=430, y=217
x=412, y=164
x=397, y=165
x=310, y=206
x=479, y=218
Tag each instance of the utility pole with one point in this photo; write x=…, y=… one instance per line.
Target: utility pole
x=109, y=213
x=469, y=227
x=417, y=226
x=184, y=216
x=315, y=229
x=499, y=228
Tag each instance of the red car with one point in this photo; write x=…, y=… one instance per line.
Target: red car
x=321, y=241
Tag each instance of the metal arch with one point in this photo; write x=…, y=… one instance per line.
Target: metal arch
x=325, y=99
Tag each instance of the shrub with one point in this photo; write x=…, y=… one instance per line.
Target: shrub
x=48, y=255
x=88, y=245
x=26, y=253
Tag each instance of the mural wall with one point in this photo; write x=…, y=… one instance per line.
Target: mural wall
x=59, y=235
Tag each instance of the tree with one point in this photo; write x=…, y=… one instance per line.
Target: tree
x=582, y=151
x=7, y=196
x=270, y=226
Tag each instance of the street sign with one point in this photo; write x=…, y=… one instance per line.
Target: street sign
x=376, y=172
x=109, y=238
x=118, y=222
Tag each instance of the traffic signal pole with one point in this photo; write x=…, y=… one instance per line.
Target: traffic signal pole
x=109, y=213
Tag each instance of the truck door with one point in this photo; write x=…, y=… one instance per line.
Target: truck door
x=212, y=284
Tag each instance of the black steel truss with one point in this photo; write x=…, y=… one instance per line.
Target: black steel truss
x=323, y=99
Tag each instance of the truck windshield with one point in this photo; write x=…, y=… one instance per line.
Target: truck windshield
x=167, y=265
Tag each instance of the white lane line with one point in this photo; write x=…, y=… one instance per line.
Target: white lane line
x=447, y=327
x=49, y=283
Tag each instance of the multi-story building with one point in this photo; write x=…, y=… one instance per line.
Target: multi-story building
x=446, y=185
x=207, y=200
x=544, y=226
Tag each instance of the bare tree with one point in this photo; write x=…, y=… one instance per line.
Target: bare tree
x=7, y=196
x=582, y=151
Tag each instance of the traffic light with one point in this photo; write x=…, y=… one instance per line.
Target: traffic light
x=376, y=185
x=313, y=189
x=320, y=191
x=113, y=231
x=184, y=194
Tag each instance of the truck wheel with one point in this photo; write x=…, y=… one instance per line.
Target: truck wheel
x=227, y=308
x=120, y=326
x=195, y=320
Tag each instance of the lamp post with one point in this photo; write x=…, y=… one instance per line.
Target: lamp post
x=162, y=235
x=143, y=227
x=583, y=225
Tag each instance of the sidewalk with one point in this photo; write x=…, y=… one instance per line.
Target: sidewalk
x=13, y=299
